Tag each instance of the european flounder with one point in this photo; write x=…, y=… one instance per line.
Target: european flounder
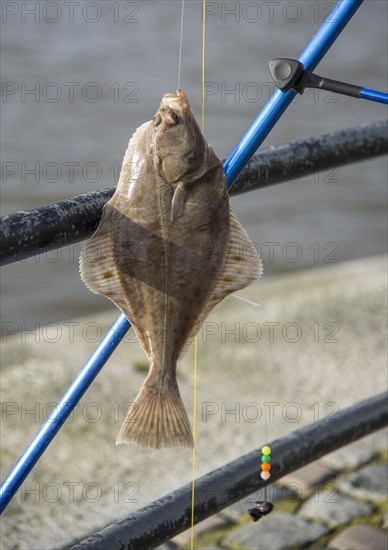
x=167, y=250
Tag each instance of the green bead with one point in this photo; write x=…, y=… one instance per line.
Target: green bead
x=265, y=458
x=266, y=450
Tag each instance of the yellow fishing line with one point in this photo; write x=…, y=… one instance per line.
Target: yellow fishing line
x=194, y=436
x=196, y=338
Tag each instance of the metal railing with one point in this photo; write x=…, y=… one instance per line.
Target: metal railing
x=52, y=226
x=163, y=519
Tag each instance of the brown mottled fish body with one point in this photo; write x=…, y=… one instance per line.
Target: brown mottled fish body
x=167, y=250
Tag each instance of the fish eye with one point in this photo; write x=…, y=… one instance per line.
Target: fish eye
x=174, y=117
x=157, y=119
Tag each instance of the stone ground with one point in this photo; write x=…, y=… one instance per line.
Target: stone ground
x=345, y=510
x=316, y=344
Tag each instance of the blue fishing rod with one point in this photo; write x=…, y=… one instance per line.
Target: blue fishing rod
x=252, y=139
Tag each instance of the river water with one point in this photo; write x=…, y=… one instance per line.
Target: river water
x=80, y=77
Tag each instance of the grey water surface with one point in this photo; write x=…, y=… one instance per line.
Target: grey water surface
x=79, y=77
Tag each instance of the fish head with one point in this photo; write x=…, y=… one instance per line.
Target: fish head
x=178, y=146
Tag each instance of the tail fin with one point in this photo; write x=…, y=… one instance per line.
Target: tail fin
x=157, y=420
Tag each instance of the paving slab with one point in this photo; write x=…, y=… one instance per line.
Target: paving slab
x=209, y=548
x=277, y=531
x=377, y=440
x=274, y=493
x=303, y=481
x=206, y=525
x=351, y=456
x=168, y=546
x=360, y=537
x=370, y=483
x=385, y=520
x=333, y=508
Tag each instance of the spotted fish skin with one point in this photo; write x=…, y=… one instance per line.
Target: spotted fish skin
x=167, y=250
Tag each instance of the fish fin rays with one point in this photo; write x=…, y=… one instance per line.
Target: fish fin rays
x=98, y=268
x=138, y=135
x=156, y=420
x=241, y=267
x=243, y=264
x=97, y=257
x=97, y=265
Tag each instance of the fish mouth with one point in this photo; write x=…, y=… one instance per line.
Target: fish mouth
x=175, y=101
x=179, y=93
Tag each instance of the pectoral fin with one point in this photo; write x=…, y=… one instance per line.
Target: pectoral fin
x=178, y=202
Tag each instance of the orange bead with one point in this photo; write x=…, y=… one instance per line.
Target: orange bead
x=266, y=466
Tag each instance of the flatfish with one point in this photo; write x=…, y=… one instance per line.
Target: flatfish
x=168, y=249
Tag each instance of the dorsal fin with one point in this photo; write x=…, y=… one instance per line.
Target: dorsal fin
x=98, y=267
